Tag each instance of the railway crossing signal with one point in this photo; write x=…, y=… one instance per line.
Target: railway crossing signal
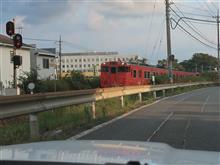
x=10, y=28
x=17, y=41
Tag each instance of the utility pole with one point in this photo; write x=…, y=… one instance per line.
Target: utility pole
x=169, y=61
x=218, y=47
x=60, y=72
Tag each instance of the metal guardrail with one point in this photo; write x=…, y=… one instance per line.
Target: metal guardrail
x=11, y=106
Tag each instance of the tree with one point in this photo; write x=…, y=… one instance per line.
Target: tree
x=200, y=62
x=28, y=77
x=175, y=64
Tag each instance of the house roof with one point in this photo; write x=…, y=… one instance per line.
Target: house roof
x=45, y=52
x=5, y=40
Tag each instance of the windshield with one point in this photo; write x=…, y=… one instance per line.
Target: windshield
x=114, y=73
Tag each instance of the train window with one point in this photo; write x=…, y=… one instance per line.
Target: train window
x=139, y=73
x=104, y=69
x=113, y=69
x=134, y=73
x=148, y=74
x=123, y=69
x=145, y=74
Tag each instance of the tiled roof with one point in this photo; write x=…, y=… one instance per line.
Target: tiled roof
x=6, y=40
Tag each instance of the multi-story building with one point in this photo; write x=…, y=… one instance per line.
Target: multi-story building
x=43, y=60
x=89, y=62
x=6, y=63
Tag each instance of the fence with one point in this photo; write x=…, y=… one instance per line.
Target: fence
x=12, y=106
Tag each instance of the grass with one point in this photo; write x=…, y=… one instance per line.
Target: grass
x=65, y=122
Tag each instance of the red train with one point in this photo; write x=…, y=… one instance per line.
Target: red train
x=117, y=73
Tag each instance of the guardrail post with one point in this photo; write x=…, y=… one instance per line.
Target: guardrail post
x=140, y=97
x=34, y=129
x=122, y=101
x=164, y=93
x=155, y=94
x=93, y=110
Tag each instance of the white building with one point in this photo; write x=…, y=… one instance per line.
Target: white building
x=89, y=62
x=43, y=60
x=6, y=65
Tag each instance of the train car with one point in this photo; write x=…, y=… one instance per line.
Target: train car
x=117, y=73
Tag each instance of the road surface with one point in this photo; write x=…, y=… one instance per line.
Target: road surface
x=189, y=121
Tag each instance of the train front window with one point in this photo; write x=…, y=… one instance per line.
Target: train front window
x=123, y=69
x=113, y=69
x=104, y=69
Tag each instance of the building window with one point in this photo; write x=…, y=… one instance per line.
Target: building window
x=51, y=60
x=62, y=61
x=88, y=65
x=80, y=65
x=106, y=59
x=67, y=66
x=71, y=60
x=45, y=63
x=84, y=60
x=84, y=65
x=80, y=60
x=63, y=66
x=71, y=66
x=75, y=60
x=97, y=59
x=76, y=66
x=92, y=59
x=88, y=60
x=101, y=59
x=67, y=60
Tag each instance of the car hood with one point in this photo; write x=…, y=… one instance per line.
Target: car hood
x=100, y=152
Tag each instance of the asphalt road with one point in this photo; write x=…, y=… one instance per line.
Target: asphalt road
x=189, y=121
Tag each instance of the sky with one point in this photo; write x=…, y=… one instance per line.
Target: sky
x=127, y=26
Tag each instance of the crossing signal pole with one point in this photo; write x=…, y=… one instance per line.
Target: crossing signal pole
x=169, y=54
x=17, y=42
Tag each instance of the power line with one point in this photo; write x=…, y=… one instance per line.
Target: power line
x=194, y=9
x=201, y=15
x=192, y=26
x=50, y=40
x=150, y=26
x=182, y=28
x=158, y=40
x=207, y=6
x=40, y=39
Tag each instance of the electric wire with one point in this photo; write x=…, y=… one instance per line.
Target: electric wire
x=191, y=26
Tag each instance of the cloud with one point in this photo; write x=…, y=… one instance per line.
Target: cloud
x=40, y=12
x=130, y=8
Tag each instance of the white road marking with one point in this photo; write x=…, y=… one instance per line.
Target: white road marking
x=206, y=101
x=186, y=129
x=86, y=132
x=111, y=121
x=158, y=128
